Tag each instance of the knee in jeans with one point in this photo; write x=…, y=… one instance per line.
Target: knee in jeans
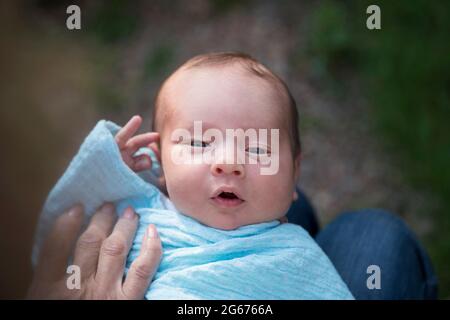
x=395, y=234
x=375, y=224
x=377, y=218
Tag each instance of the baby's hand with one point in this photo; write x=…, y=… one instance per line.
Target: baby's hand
x=128, y=145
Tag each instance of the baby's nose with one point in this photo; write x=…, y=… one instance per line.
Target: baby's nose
x=234, y=169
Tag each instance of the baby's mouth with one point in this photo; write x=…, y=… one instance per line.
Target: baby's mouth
x=227, y=199
x=228, y=195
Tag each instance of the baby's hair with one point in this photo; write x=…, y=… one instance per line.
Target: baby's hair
x=254, y=67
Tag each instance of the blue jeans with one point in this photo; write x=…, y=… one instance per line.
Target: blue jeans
x=359, y=239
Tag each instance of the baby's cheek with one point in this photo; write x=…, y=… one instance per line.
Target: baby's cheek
x=275, y=191
x=276, y=198
x=181, y=180
x=174, y=180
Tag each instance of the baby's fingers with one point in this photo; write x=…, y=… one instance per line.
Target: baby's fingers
x=140, y=141
x=128, y=131
x=141, y=163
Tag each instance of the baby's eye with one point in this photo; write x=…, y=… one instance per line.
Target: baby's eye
x=257, y=150
x=199, y=144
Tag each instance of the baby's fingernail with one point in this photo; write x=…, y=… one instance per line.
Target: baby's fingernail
x=128, y=213
x=151, y=232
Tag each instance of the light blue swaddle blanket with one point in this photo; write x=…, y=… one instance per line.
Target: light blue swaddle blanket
x=262, y=261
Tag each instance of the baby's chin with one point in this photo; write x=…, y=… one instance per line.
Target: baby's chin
x=228, y=223
x=224, y=222
x=228, y=226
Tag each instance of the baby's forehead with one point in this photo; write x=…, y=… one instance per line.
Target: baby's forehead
x=228, y=74
x=221, y=87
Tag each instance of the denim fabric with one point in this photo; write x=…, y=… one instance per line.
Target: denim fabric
x=356, y=240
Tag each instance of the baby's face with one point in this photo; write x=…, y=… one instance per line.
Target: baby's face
x=226, y=99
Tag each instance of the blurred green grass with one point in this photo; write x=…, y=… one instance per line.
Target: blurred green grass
x=157, y=63
x=113, y=21
x=405, y=68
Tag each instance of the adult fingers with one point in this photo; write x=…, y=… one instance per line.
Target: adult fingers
x=88, y=246
x=128, y=131
x=58, y=246
x=115, y=249
x=144, y=266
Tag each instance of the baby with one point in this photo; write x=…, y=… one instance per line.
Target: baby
x=223, y=192
x=223, y=91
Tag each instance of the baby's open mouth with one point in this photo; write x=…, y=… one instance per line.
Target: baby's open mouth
x=228, y=195
x=227, y=199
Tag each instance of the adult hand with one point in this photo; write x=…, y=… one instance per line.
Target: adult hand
x=100, y=253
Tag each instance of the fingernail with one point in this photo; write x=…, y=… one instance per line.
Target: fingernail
x=128, y=213
x=76, y=210
x=151, y=232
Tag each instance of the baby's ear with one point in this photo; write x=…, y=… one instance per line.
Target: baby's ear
x=162, y=184
x=155, y=146
x=162, y=178
x=297, y=166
